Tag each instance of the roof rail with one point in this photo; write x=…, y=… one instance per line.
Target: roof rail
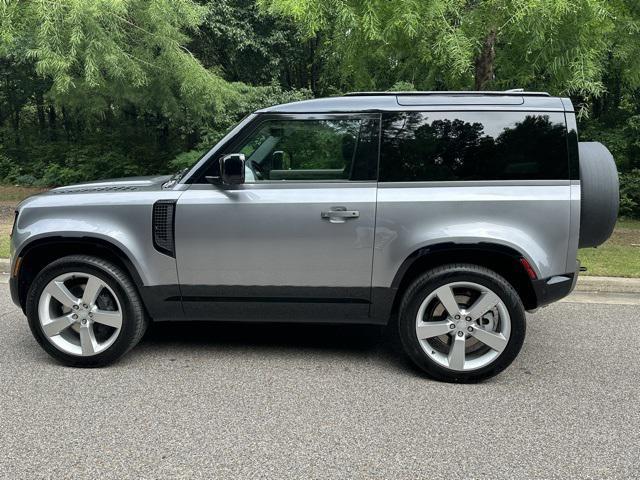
x=515, y=92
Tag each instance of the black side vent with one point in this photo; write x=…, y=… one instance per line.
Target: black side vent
x=163, y=227
x=113, y=188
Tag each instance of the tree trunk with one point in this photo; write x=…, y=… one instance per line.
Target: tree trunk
x=485, y=61
x=66, y=124
x=42, y=122
x=52, y=117
x=16, y=124
x=314, y=63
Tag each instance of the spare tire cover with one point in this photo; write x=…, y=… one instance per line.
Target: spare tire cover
x=600, y=196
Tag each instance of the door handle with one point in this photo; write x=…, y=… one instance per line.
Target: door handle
x=339, y=214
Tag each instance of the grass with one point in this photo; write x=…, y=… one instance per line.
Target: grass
x=4, y=244
x=618, y=257
x=10, y=196
x=11, y=193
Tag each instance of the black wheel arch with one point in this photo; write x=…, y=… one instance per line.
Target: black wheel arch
x=36, y=254
x=504, y=260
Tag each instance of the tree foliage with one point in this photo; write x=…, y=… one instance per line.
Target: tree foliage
x=90, y=89
x=558, y=46
x=114, y=51
x=112, y=83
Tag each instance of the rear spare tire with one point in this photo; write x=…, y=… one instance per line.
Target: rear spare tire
x=600, y=196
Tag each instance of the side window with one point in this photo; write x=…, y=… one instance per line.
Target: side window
x=312, y=150
x=441, y=146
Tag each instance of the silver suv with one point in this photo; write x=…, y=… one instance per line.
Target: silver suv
x=449, y=213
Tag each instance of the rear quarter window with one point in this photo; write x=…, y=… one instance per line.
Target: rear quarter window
x=447, y=146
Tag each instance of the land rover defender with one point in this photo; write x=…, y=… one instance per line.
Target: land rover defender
x=446, y=214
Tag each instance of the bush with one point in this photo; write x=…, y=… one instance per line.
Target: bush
x=26, y=180
x=630, y=194
x=186, y=159
x=402, y=87
x=8, y=168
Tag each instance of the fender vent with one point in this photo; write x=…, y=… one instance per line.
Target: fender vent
x=163, y=227
x=113, y=188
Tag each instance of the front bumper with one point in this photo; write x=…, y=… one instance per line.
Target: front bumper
x=549, y=290
x=13, y=289
x=14, y=283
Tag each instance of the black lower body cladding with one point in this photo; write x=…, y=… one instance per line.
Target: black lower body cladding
x=600, y=197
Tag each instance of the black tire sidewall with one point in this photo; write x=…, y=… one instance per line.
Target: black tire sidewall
x=436, y=278
x=127, y=334
x=599, y=194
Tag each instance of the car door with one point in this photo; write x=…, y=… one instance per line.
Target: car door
x=295, y=242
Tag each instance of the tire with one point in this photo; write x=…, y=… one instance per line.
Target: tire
x=600, y=196
x=432, y=355
x=116, y=300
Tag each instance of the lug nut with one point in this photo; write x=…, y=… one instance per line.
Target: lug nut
x=460, y=333
x=84, y=321
x=468, y=319
x=452, y=326
x=75, y=307
x=84, y=305
x=457, y=317
x=74, y=316
x=470, y=329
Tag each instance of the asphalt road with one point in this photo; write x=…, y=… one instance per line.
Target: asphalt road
x=246, y=401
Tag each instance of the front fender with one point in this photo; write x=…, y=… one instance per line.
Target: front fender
x=120, y=219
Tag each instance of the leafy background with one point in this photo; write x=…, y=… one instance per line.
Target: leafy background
x=107, y=88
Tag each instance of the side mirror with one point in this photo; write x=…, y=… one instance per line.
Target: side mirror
x=232, y=169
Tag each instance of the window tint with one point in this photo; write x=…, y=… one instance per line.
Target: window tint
x=313, y=150
x=431, y=146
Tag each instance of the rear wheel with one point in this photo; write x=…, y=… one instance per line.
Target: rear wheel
x=461, y=323
x=85, y=311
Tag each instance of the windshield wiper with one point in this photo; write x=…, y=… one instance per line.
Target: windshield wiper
x=175, y=178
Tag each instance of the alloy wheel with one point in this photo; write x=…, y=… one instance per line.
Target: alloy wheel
x=463, y=326
x=80, y=314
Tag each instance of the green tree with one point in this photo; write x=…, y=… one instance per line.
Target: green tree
x=112, y=87
x=556, y=45
x=105, y=53
x=250, y=45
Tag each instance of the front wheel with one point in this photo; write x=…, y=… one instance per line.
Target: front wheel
x=85, y=311
x=461, y=323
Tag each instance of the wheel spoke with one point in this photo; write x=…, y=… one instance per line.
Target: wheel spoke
x=112, y=319
x=485, y=302
x=433, y=329
x=448, y=300
x=456, y=353
x=61, y=293
x=88, y=341
x=57, y=325
x=493, y=340
x=92, y=290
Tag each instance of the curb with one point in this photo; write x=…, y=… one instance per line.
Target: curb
x=585, y=284
x=608, y=285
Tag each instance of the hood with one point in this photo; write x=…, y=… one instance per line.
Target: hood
x=129, y=184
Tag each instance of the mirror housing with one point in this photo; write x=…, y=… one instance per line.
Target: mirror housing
x=232, y=169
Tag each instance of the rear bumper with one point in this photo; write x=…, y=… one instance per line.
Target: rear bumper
x=549, y=290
